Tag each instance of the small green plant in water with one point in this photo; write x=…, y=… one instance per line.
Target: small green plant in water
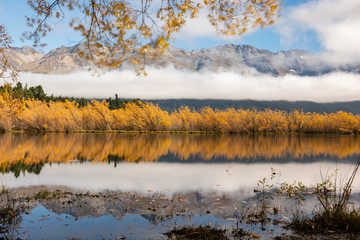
x=265, y=193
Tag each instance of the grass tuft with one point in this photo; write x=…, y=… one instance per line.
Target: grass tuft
x=336, y=214
x=197, y=232
x=328, y=222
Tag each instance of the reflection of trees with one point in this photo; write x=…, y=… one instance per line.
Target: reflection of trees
x=23, y=152
x=20, y=167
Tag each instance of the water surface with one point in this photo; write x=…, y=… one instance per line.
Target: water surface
x=137, y=186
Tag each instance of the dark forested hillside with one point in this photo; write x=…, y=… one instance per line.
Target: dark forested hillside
x=308, y=106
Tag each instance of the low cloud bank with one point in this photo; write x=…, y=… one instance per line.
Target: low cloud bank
x=170, y=83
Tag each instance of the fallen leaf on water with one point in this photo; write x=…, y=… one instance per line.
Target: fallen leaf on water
x=12, y=214
x=43, y=219
x=254, y=235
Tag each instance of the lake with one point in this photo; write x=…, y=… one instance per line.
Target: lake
x=139, y=186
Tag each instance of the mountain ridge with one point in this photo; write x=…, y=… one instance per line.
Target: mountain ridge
x=230, y=57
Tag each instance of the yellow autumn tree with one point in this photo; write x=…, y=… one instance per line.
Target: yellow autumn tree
x=10, y=106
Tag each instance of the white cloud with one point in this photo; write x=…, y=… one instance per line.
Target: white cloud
x=171, y=83
x=336, y=23
x=200, y=28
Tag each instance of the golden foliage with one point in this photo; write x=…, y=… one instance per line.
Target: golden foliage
x=10, y=107
x=234, y=17
x=64, y=148
x=67, y=116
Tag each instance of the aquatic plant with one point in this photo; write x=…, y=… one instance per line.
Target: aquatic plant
x=334, y=211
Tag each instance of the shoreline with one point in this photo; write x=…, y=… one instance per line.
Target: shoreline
x=181, y=132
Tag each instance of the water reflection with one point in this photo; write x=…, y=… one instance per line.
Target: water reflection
x=172, y=178
x=107, y=178
x=72, y=214
x=114, y=148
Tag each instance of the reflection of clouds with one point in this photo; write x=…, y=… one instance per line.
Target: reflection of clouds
x=171, y=83
x=170, y=178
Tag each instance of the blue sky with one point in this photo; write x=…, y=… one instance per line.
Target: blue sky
x=12, y=14
x=327, y=27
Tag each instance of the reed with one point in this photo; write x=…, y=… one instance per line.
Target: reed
x=35, y=115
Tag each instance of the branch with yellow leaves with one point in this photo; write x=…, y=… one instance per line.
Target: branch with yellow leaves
x=7, y=70
x=116, y=29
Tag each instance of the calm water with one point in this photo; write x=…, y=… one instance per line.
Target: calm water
x=117, y=186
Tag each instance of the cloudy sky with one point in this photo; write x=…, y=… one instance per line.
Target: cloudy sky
x=313, y=25
x=326, y=27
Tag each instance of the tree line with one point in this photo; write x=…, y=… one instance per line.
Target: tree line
x=37, y=92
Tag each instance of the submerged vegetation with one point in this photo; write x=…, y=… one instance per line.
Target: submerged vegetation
x=18, y=111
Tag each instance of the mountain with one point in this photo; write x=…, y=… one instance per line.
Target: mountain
x=59, y=60
x=239, y=58
x=22, y=58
